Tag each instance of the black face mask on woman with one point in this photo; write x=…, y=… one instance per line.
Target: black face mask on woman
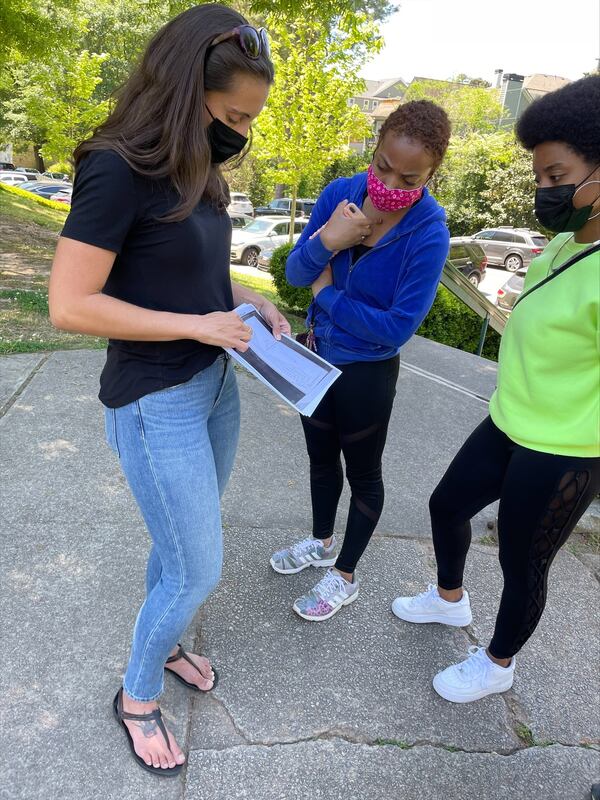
x=225, y=142
x=555, y=210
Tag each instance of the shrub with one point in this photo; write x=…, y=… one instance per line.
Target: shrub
x=295, y=298
x=61, y=166
x=453, y=323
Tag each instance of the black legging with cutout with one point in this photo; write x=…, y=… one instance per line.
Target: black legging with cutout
x=542, y=497
x=351, y=419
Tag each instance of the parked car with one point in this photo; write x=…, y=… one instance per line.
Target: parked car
x=264, y=259
x=7, y=165
x=30, y=173
x=63, y=196
x=239, y=220
x=240, y=204
x=44, y=188
x=246, y=244
x=12, y=178
x=283, y=206
x=511, y=290
x=469, y=258
x=57, y=176
x=28, y=184
x=512, y=248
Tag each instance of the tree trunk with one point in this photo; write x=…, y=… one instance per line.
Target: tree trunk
x=293, y=211
x=39, y=161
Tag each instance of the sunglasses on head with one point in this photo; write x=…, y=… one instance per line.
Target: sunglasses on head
x=253, y=42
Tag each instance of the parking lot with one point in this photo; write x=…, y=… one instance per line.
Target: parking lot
x=495, y=277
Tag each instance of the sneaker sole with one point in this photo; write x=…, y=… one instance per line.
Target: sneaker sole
x=449, y=695
x=347, y=602
x=455, y=623
x=328, y=562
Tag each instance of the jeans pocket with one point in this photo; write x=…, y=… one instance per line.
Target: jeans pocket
x=110, y=427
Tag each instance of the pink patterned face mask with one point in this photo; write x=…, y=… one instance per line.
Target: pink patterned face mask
x=385, y=199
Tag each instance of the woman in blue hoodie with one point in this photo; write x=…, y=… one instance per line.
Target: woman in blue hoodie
x=373, y=253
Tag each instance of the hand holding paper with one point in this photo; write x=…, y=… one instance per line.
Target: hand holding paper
x=294, y=373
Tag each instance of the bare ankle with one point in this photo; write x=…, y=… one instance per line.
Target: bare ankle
x=347, y=576
x=451, y=595
x=502, y=662
x=138, y=705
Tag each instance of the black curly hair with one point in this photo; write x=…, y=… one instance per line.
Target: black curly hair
x=570, y=115
x=424, y=121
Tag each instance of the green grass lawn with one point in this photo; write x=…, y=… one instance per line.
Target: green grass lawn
x=265, y=287
x=20, y=209
x=28, y=234
x=25, y=326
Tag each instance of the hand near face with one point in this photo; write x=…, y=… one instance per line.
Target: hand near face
x=345, y=228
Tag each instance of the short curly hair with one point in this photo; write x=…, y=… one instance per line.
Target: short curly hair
x=566, y=115
x=424, y=121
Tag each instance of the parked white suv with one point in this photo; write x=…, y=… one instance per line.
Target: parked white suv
x=247, y=243
x=240, y=204
x=12, y=178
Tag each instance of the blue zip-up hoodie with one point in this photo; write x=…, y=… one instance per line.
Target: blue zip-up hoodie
x=376, y=304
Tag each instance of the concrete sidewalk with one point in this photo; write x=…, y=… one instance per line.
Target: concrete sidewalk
x=340, y=710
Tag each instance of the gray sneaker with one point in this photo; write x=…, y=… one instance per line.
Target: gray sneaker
x=307, y=553
x=327, y=597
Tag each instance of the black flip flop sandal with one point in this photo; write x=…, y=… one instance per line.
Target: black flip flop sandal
x=156, y=716
x=182, y=654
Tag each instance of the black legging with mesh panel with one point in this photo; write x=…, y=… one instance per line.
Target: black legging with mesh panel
x=542, y=496
x=351, y=419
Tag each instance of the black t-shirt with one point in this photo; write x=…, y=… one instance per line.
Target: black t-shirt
x=175, y=266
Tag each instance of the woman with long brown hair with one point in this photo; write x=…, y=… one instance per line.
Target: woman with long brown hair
x=143, y=259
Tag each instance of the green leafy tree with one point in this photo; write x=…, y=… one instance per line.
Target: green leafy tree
x=462, y=78
x=52, y=105
x=251, y=178
x=470, y=108
x=344, y=166
x=16, y=125
x=323, y=10
x=510, y=191
x=32, y=27
x=308, y=120
x=121, y=29
x=485, y=180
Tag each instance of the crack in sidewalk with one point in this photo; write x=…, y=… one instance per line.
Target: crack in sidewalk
x=15, y=396
x=351, y=737
x=340, y=735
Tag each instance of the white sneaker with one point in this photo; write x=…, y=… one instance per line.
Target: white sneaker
x=307, y=553
x=474, y=678
x=430, y=607
x=325, y=599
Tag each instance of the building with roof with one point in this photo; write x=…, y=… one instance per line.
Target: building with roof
x=519, y=91
x=381, y=98
x=377, y=102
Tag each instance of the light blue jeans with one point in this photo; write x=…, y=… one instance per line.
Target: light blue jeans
x=176, y=448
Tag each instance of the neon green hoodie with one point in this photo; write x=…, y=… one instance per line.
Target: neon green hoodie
x=548, y=391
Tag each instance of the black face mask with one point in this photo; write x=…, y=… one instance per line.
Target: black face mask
x=225, y=142
x=555, y=210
